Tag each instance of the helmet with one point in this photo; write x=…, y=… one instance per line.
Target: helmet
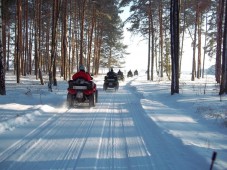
x=82, y=68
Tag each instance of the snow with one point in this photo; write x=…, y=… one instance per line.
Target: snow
x=140, y=126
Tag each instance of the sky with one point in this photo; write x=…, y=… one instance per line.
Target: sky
x=137, y=47
x=140, y=126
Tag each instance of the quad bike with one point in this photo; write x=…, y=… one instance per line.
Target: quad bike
x=81, y=91
x=111, y=82
x=130, y=74
x=136, y=73
x=120, y=76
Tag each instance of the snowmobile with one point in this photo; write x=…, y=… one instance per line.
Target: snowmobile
x=81, y=91
x=111, y=82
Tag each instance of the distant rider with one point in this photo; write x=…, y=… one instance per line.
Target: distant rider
x=111, y=73
x=119, y=72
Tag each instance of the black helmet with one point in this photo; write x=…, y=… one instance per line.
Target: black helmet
x=82, y=68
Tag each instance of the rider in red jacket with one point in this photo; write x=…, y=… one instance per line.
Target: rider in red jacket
x=82, y=74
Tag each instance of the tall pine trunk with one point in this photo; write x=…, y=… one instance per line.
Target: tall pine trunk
x=26, y=39
x=82, y=12
x=2, y=65
x=53, y=45
x=64, y=41
x=161, y=37
x=194, y=43
x=220, y=14
x=149, y=40
x=183, y=33
x=199, y=45
x=223, y=86
x=19, y=39
x=174, y=28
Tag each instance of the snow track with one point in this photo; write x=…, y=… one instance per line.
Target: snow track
x=116, y=134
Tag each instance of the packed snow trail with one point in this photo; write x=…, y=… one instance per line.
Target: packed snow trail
x=116, y=134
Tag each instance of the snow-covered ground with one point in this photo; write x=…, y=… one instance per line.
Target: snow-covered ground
x=141, y=126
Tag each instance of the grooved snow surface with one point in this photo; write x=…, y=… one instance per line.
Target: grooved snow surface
x=140, y=126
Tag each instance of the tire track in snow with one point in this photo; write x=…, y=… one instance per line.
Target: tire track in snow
x=84, y=132
x=49, y=129
x=27, y=144
x=113, y=150
x=42, y=145
x=150, y=136
x=140, y=128
x=125, y=138
x=101, y=140
x=103, y=150
x=138, y=154
x=71, y=147
x=23, y=142
x=163, y=150
x=74, y=146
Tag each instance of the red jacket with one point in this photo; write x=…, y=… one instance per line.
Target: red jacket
x=82, y=74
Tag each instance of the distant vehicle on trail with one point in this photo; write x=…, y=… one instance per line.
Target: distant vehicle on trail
x=120, y=75
x=111, y=81
x=129, y=74
x=136, y=73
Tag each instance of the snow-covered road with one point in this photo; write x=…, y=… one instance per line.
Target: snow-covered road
x=116, y=134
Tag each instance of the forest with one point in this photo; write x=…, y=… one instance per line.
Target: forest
x=43, y=37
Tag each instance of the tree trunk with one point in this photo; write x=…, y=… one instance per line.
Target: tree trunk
x=161, y=37
x=30, y=51
x=19, y=38
x=64, y=40
x=152, y=47
x=98, y=48
x=26, y=39
x=174, y=27
x=91, y=38
x=5, y=13
x=52, y=68
x=223, y=86
x=167, y=56
x=149, y=52
x=8, y=52
x=220, y=14
x=36, y=58
x=82, y=11
x=2, y=68
x=182, y=39
x=199, y=45
x=205, y=44
x=39, y=37
x=47, y=56
x=70, y=40
x=194, y=43
x=149, y=40
x=73, y=42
